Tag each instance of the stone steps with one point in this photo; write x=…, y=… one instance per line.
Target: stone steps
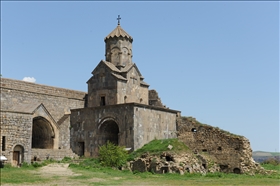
x=55, y=154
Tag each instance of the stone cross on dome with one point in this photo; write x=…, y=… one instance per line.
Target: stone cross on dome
x=119, y=18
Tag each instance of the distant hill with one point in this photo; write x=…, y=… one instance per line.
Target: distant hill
x=260, y=156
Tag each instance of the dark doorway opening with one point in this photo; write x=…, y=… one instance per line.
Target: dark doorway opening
x=42, y=134
x=110, y=132
x=81, y=146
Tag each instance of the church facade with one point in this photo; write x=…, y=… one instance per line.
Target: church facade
x=40, y=122
x=119, y=108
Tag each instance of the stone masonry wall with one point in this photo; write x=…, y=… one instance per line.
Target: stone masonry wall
x=41, y=89
x=138, y=124
x=17, y=129
x=19, y=100
x=57, y=101
x=151, y=123
x=232, y=152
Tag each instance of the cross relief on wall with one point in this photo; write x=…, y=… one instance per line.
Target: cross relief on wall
x=134, y=79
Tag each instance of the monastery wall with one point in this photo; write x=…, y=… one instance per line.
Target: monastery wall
x=21, y=102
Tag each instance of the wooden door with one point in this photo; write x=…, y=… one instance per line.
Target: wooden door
x=15, y=158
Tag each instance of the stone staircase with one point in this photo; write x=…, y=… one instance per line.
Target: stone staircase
x=55, y=154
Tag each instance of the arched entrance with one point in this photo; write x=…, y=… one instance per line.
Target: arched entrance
x=17, y=155
x=109, y=131
x=42, y=134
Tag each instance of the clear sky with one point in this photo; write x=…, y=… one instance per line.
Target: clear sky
x=215, y=61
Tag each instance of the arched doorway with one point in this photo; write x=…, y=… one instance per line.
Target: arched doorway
x=42, y=134
x=110, y=132
x=17, y=155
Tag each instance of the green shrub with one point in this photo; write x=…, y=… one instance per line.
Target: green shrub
x=35, y=164
x=272, y=161
x=66, y=159
x=112, y=156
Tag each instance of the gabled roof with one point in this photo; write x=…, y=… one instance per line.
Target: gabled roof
x=118, y=76
x=129, y=67
x=33, y=108
x=118, y=32
x=111, y=66
x=144, y=84
x=115, y=72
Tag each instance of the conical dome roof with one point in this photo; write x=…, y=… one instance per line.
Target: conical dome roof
x=118, y=32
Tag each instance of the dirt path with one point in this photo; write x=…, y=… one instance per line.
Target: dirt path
x=58, y=174
x=57, y=169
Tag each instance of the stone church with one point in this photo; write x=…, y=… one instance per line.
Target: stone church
x=119, y=106
x=38, y=122
x=41, y=122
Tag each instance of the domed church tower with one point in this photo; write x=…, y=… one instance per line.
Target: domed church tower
x=117, y=80
x=119, y=47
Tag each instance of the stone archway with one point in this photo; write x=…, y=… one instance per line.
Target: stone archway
x=109, y=131
x=18, y=155
x=42, y=134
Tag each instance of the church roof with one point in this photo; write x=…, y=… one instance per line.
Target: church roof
x=111, y=66
x=119, y=76
x=119, y=32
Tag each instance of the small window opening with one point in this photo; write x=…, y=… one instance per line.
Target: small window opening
x=204, y=150
x=237, y=148
x=219, y=148
x=236, y=170
x=164, y=170
x=194, y=130
x=102, y=101
x=3, y=143
x=223, y=167
x=168, y=158
x=204, y=165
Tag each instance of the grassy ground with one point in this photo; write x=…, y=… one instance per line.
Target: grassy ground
x=90, y=173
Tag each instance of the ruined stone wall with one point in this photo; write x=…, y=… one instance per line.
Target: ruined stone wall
x=232, y=152
x=16, y=128
x=154, y=99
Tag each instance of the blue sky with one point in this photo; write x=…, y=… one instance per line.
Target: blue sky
x=215, y=61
